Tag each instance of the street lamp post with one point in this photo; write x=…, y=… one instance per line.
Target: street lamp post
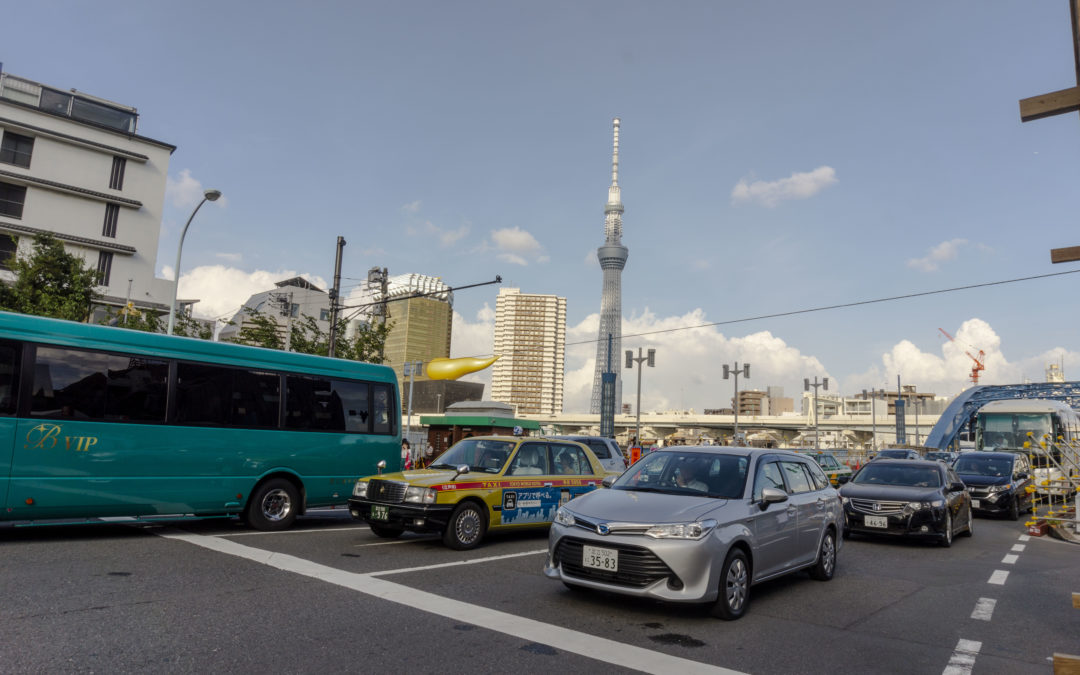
x=806, y=387
x=209, y=195
x=735, y=401
x=650, y=360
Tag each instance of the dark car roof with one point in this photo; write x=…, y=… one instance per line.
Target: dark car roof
x=886, y=461
x=986, y=454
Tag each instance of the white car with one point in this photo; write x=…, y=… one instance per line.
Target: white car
x=606, y=450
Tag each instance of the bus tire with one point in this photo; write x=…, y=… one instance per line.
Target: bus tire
x=387, y=532
x=273, y=505
x=466, y=527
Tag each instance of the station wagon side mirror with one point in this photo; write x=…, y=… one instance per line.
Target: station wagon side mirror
x=607, y=481
x=772, y=496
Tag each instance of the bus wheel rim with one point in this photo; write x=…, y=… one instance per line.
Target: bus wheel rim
x=276, y=505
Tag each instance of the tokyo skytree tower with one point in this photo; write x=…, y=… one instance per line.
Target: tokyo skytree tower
x=612, y=257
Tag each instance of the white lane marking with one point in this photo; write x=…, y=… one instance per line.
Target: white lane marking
x=998, y=577
x=963, y=657
x=1019, y=548
x=984, y=609
x=456, y=563
x=396, y=541
x=1010, y=559
x=293, y=531
x=573, y=641
x=1025, y=537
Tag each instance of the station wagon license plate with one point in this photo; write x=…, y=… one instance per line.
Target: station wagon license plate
x=606, y=559
x=876, y=521
x=380, y=512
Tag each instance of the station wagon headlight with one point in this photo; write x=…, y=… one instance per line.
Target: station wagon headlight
x=695, y=530
x=360, y=489
x=420, y=495
x=999, y=488
x=564, y=518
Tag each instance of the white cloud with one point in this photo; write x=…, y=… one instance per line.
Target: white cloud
x=475, y=339
x=412, y=207
x=443, y=236
x=186, y=191
x=517, y=246
x=796, y=186
x=945, y=251
x=223, y=290
x=231, y=257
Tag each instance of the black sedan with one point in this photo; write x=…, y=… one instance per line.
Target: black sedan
x=907, y=497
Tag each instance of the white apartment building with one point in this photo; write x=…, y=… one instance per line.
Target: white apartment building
x=530, y=339
x=290, y=300
x=74, y=165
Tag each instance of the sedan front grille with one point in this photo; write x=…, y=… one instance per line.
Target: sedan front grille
x=878, y=508
x=388, y=491
x=638, y=566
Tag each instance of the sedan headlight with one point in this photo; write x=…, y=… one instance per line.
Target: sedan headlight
x=360, y=489
x=564, y=518
x=844, y=500
x=695, y=530
x=420, y=495
x=916, y=506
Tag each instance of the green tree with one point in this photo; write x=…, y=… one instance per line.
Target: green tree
x=306, y=337
x=50, y=282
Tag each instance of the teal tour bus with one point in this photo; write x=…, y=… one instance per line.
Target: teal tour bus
x=104, y=422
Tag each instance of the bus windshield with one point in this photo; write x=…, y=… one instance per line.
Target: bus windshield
x=1010, y=430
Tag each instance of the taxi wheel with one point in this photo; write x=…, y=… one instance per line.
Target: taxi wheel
x=466, y=527
x=387, y=532
x=273, y=506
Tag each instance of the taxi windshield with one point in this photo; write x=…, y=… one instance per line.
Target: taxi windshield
x=484, y=455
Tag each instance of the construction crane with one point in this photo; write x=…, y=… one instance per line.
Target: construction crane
x=980, y=362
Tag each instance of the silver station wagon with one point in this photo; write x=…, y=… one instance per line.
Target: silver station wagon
x=699, y=524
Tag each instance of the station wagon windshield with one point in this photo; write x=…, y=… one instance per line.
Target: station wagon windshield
x=483, y=455
x=910, y=476
x=687, y=473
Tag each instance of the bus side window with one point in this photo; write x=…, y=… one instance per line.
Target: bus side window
x=384, y=423
x=9, y=377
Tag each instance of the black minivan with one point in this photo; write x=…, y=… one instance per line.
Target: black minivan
x=996, y=481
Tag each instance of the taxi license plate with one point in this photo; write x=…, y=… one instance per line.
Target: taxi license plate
x=380, y=512
x=974, y=503
x=606, y=559
x=876, y=521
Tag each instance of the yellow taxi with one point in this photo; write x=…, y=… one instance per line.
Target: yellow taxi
x=481, y=484
x=832, y=467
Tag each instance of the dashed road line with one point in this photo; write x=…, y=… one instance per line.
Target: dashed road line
x=568, y=640
x=1019, y=548
x=1025, y=537
x=998, y=577
x=1010, y=559
x=984, y=609
x=963, y=657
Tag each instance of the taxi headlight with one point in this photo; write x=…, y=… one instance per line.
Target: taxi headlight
x=695, y=530
x=564, y=517
x=360, y=489
x=420, y=495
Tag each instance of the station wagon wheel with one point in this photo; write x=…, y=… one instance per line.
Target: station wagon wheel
x=946, y=539
x=734, y=587
x=466, y=527
x=387, y=532
x=273, y=506
x=825, y=567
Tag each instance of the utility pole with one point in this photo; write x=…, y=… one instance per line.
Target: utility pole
x=874, y=393
x=901, y=433
x=735, y=401
x=650, y=360
x=824, y=384
x=334, y=297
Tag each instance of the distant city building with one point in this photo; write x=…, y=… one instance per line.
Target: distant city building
x=752, y=403
x=612, y=256
x=778, y=403
x=74, y=165
x=530, y=339
x=291, y=299
x=420, y=310
x=831, y=404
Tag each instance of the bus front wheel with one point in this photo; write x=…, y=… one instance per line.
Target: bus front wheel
x=273, y=505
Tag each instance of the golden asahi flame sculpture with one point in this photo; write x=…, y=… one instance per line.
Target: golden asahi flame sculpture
x=452, y=369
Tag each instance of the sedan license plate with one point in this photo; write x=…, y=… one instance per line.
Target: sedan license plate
x=974, y=503
x=606, y=559
x=876, y=521
x=380, y=512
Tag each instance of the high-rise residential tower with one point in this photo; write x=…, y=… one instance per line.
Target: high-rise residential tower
x=612, y=257
x=530, y=339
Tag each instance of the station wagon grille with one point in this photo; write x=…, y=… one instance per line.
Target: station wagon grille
x=389, y=491
x=878, y=508
x=638, y=566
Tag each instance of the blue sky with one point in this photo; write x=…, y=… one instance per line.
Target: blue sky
x=773, y=157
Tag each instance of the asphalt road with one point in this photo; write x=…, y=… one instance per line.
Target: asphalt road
x=329, y=596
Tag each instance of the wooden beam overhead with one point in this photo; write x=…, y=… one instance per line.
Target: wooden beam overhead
x=1067, y=254
x=1048, y=105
